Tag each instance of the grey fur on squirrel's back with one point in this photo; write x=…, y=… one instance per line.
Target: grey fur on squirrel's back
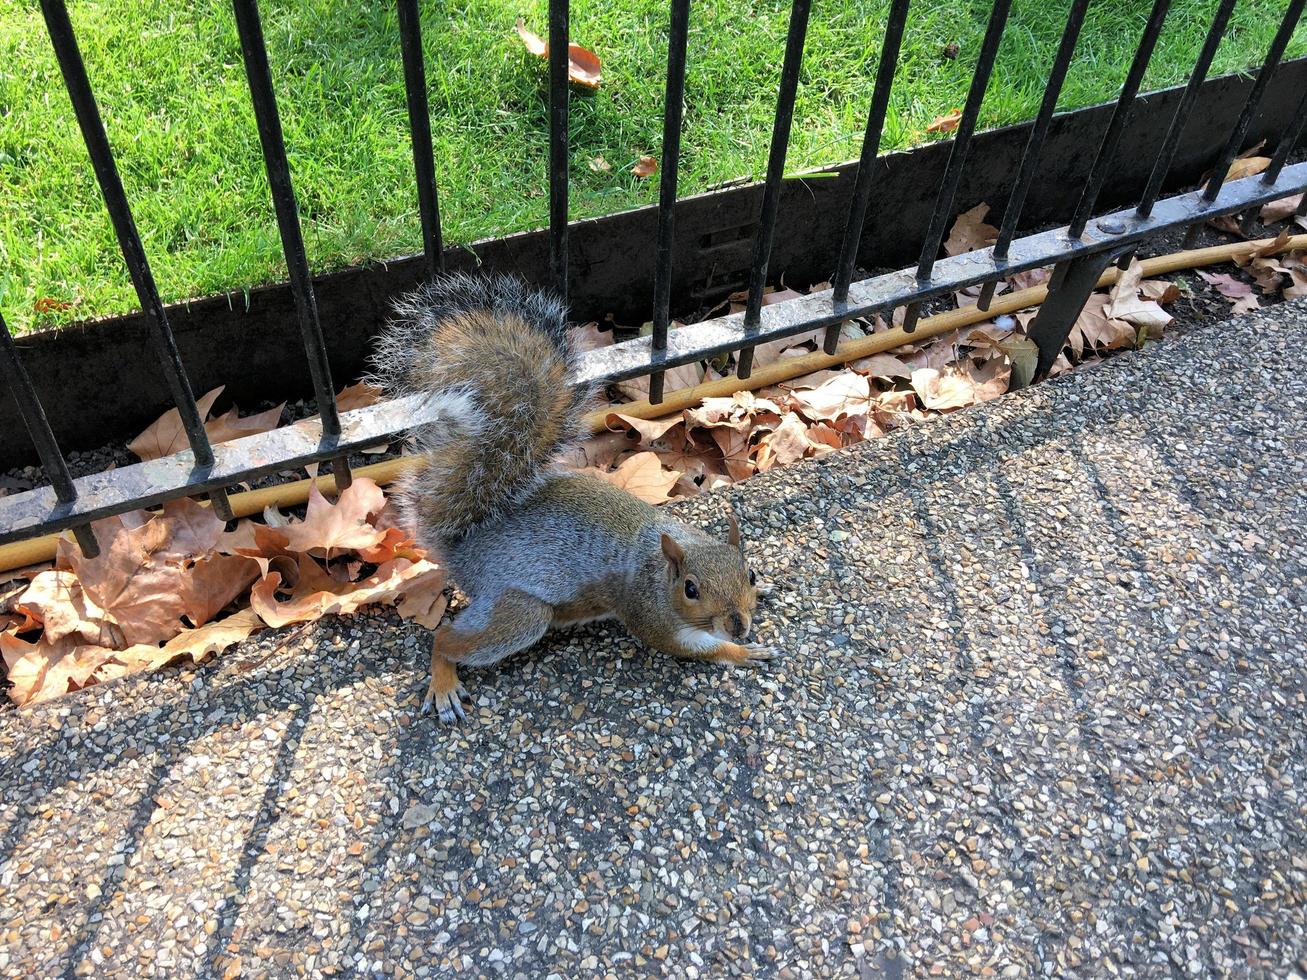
x=495, y=356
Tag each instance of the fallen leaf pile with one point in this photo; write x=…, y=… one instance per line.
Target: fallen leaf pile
x=176, y=585
x=726, y=440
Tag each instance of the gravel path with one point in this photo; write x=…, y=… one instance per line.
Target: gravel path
x=1041, y=712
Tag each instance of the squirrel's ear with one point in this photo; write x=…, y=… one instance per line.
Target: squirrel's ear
x=733, y=534
x=675, y=554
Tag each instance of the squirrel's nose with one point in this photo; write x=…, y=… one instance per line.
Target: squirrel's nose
x=738, y=626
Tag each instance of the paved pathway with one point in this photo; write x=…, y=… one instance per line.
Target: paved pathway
x=1042, y=712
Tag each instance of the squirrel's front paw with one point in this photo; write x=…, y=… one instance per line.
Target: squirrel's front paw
x=747, y=655
x=449, y=704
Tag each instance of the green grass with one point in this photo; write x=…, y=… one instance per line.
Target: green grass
x=171, y=88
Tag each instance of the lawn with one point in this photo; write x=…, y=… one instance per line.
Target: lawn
x=172, y=91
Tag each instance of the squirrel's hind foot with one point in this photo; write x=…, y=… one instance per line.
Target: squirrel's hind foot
x=448, y=704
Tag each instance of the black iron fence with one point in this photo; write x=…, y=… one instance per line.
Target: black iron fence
x=1078, y=253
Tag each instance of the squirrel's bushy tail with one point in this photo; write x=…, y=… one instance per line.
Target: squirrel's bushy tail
x=495, y=356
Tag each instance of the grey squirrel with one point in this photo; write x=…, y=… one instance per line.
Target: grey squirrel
x=532, y=545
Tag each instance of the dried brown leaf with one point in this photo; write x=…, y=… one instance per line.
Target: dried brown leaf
x=55, y=600
x=1096, y=330
x=583, y=66
x=233, y=426
x=664, y=434
x=1124, y=302
x=844, y=395
x=1247, y=166
x=166, y=435
x=945, y=123
x=1239, y=293
x=46, y=669
x=642, y=475
x=588, y=337
x=970, y=232
x=677, y=378
x=881, y=366
x=360, y=395
x=343, y=525
x=646, y=166
x=132, y=580
x=317, y=596
x=787, y=443
x=1280, y=208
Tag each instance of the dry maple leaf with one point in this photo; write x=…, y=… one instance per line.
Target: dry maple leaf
x=48, y=304
x=600, y=451
x=737, y=456
x=1124, y=302
x=583, y=66
x=339, y=526
x=646, y=166
x=1247, y=167
x=786, y=444
x=233, y=426
x=55, y=600
x=166, y=435
x=642, y=475
x=193, y=528
x=588, y=336
x=599, y=165
x=1030, y=278
x=676, y=379
x=213, y=582
x=1160, y=290
x=960, y=385
x=1095, y=329
x=132, y=580
x=40, y=669
x=1226, y=284
x=945, y=123
x=44, y=669
x=881, y=366
x=970, y=232
x=824, y=437
x=846, y=394
x=1280, y=209
x=666, y=433
x=313, y=599
x=359, y=395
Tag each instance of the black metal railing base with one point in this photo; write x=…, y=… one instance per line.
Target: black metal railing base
x=146, y=484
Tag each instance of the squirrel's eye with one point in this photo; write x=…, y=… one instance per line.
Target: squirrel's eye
x=753, y=579
x=691, y=590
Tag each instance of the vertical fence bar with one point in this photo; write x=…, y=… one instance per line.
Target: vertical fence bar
x=958, y=154
x=1288, y=140
x=255, y=55
x=771, y=195
x=419, y=127
x=38, y=427
x=558, y=144
x=1057, y=314
x=1120, y=114
x=1038, y=133
x=1167, y=153
x=676, y=43
x=73, y=70
x=1273, y=56
x=889, y=57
